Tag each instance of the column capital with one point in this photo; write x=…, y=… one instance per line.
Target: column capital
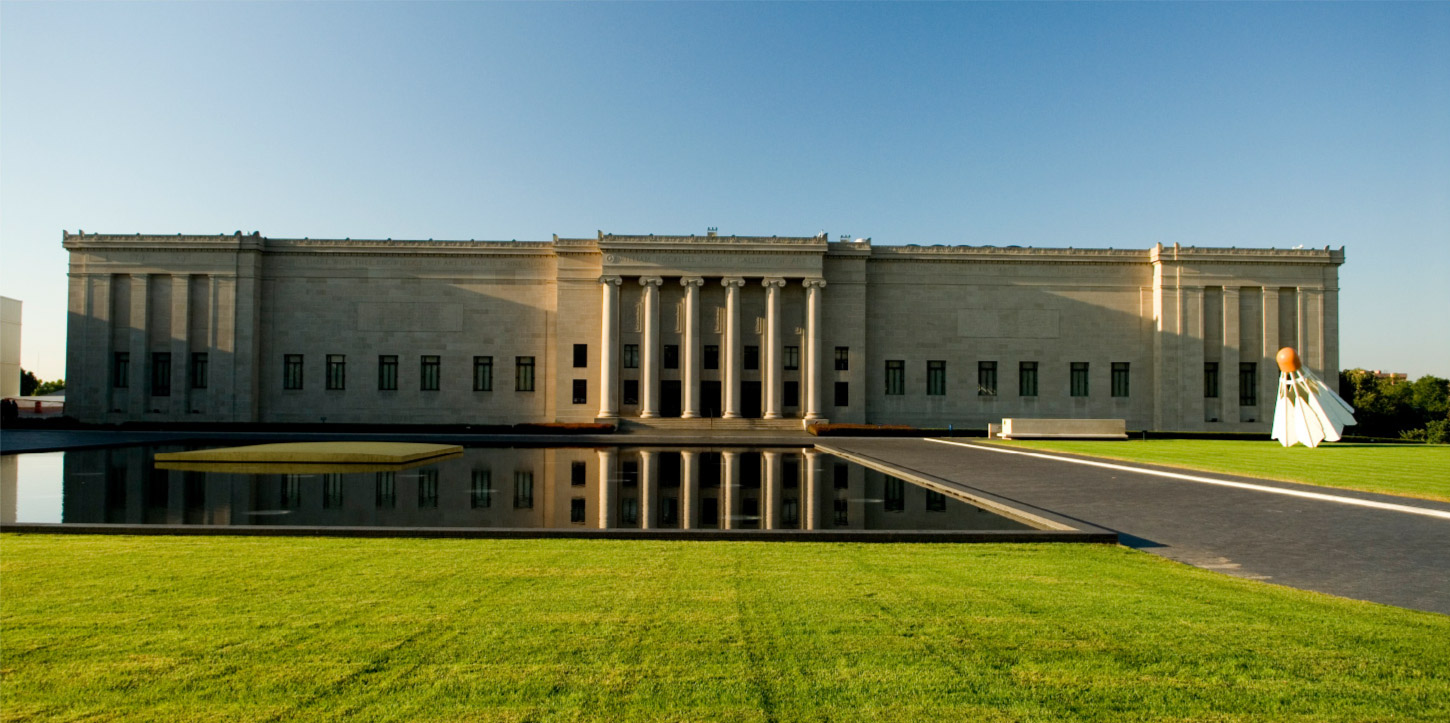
x=650, y=281
x=770, y=281
x=814, y=283
x=692, y=281
x=735, y=281
x=611, y=280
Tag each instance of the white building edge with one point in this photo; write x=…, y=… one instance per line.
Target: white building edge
x=244, y=328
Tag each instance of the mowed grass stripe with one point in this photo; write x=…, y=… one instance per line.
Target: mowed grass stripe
x=1411, y=470
x=117, y=628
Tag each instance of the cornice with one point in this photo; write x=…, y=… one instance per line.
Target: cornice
x=1235, y=255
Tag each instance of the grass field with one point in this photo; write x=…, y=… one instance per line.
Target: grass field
x=1413, y=470
x=116, y=628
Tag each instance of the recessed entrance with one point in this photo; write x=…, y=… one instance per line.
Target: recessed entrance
x=670, y=398
x=710, y=399
x=750, y=400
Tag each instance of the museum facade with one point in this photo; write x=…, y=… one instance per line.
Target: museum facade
x=244, y=328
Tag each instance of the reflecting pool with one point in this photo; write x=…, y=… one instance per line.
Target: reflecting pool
x=716, y=488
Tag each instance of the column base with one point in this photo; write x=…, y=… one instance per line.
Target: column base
x=648, y=415
x=811, y=415
x=730, y=415
x=771, y=415
x=689, y=415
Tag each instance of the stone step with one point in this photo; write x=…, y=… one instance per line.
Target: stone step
x=670, y=425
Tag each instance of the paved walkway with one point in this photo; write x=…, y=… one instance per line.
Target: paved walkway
x=1384, y=555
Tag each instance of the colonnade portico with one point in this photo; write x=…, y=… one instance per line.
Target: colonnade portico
x=731, y=357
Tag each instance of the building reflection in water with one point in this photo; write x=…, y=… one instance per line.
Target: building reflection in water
x=605, y=488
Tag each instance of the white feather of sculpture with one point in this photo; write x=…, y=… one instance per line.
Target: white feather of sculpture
x=1307, y=411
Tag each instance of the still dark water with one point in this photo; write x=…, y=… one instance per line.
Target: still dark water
x=489, y=487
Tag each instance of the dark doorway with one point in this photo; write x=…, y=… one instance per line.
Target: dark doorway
x=709, y=399
x=750, y=400
x=669, y=397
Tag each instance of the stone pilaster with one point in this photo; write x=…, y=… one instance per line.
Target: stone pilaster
x=690, y=364
x=772, y=376
x=607, y=459
x=813, y=347
x=648, y=488
x=140, y=380
x=180, y=344
x=649, y=382
x=770, y=505
x=609, y=347
x=811, y=491
x=732, y=362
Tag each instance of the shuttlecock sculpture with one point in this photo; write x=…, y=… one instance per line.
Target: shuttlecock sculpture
x=1307, y=412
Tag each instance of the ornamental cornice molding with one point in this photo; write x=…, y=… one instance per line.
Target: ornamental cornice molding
x=650, y=240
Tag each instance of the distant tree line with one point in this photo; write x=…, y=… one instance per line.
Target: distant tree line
x=1385, y=407
x=32, y=386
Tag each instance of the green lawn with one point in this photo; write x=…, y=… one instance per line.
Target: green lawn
x=1413, y=470
x=113, y=628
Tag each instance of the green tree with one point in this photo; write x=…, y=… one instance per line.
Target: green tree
x=28, y=383
x=50, y=387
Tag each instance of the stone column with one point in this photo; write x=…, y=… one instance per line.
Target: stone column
x=729, y=489
x=606, y=487
x=140, y=379
x=180, y=344
x=770, y=506
x=649, y=377
x=811, y=490
x=648, y=487
x=732, y=346
x=1228, y=364
x=609, y=347
x=772, y=346
x=813, y=347
x=691, y=362
x=689, y=489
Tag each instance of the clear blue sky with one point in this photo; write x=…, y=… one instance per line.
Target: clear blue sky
x=1083, y=125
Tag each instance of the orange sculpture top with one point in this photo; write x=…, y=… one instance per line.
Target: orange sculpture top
x=1288, y=360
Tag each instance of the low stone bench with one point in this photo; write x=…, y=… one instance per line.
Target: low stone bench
x=1061, y=429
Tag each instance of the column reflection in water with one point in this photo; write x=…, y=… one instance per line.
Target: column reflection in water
x=601, y=488
x=607, y=481
x=689, y=490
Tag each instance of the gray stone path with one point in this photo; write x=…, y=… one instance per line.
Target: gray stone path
x=1385, y=556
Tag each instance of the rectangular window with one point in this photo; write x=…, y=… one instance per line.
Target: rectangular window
x=198, y=370
x=1210, y=380
x=672, y=356
x=578, y=472
x=840, y=476
x=843, y=394
x=839, y=508
x=292, y=371
x=986, y=379
x=524, y=374
x=121, y=370
x=581, y=356
x=843, y=358
x=581, y=391
x=895, y=495
x=524, y=490
x=336, y=371
x=895, y=376
x=483, y=374
x=1079, y=379
x=290, y=494
x=629, y=393
x=792, y=394
x=935, y=501
x=712, y=357
x=752, y=357
x=428, y=373
x=1248, y=384
x=161, y=374
x=385, y=495
x=936, y=378
x=792, y=358
x=1120, y=379
x=631, y=356
x=480, y=494
x=388, y=373
x=576, y=510
x=1027, y=379
x=427, y=487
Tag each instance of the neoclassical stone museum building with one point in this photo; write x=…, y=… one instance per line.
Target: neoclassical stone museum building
x=244, y=328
